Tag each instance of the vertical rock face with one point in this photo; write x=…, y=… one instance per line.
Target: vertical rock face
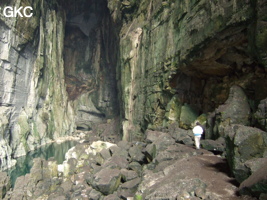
x=58, y=73
x=186, y=53
x=34, y=104
x=90, y=55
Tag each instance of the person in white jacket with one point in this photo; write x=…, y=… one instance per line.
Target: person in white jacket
x=198, y=131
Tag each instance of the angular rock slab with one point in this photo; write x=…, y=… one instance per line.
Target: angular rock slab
x=107, y=180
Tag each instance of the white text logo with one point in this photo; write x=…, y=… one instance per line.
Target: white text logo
x=10, y=11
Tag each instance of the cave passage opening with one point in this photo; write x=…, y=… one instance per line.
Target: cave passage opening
x=220, y=63
x=90, y=59
x=204, y=79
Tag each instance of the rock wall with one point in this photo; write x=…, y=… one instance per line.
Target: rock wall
x=58, y=73
x=34, y=104
x=179, y=59
x=90, y=55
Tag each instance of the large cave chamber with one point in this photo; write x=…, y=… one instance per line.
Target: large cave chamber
x=121, y=69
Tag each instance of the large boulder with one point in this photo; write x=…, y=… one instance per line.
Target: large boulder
x=184, y=136
x=235, y=110
x=236, y=107
x=107, y=180
x=136, y=154
x=160, y=139
x=214, y=145
x=242, y=144
x=128, y=189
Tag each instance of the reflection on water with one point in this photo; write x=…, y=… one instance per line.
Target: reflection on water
x=24, y=163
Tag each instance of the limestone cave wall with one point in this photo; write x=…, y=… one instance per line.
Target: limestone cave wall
x=179, y=59
x=34, y=104
x=57, y=73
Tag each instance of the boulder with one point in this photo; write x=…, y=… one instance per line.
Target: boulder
x=124, y=145
x=129, y=188
x=115, y=150
x=75, y=152
x=183, y=136
x=132, y=184
x=137, y=167
x=256, y=163
x=159, y=186
x=67, y=186
x=152, y=136
x=235, y=110
x=94, y=194
x=136, y=154
x=105, y=153
x=116, y=161
x=160, y=139
x=98, y=146
x=180, y=135
x=242, y=144
x=72, y=165
x=214, y=145
x=107, y=180
x=150, y=152
x=128, y=175
x=256, y=183
x=173, y=152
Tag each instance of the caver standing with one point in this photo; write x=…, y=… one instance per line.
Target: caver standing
x=198, y=131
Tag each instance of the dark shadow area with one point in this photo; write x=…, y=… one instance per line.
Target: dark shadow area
x=91, y=48
x=224, y=168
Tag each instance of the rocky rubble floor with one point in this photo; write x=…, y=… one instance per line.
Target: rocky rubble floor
x=157, y=169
